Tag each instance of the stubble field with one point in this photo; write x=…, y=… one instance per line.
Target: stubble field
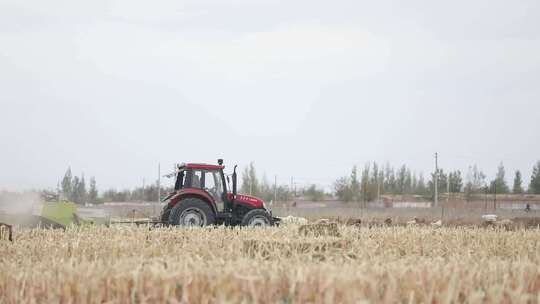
x=129, y=264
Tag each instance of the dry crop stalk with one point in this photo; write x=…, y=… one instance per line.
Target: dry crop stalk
x=223, y=265
x=9, y=229
x=320, y=229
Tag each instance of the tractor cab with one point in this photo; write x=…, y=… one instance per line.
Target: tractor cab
x=201, y=197
x=201, y=177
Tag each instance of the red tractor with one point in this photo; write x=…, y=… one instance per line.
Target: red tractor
x=201, y=198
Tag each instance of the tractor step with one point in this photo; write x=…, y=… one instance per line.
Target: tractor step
x=224, y=215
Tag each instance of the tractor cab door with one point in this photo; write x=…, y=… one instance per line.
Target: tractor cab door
x=212, y=184
x=179, y=183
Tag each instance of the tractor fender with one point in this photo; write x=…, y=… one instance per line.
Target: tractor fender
x=192, y=193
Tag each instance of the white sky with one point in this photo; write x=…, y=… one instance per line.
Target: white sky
x=302, y=88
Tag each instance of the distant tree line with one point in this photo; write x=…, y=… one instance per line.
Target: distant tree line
x=73, y=188
x=374, y=180
x=534, y=186
x=139, y=194
x=365, y=185
x=261, y=188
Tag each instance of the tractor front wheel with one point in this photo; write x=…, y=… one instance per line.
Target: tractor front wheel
x=257, y=218
x=192, y=212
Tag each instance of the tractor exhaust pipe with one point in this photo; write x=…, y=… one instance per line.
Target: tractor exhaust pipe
x=234, y=182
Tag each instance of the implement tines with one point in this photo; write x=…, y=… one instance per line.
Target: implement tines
x=6, y=230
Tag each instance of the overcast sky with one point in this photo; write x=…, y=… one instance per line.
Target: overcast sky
x=302, y=88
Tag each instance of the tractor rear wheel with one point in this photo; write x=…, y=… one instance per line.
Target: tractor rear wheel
x=192, y=212
x=257, y=218
x=164, y=216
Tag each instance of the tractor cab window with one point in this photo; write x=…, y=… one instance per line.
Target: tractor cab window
x=212, y=181
x=213, y=185
x=179, y=184
x=196, y=178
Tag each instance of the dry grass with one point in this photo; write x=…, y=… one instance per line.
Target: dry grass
x=320, y=229
x=218, y=265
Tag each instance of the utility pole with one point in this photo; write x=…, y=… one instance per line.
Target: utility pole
x=159, y=183
x=447, y=195
x=436, y=180
x=447, y=187
x=292, y=185
x=142, y=194
x=486, y=197
x=495, y=195
x=275, y=188
x=378, y=190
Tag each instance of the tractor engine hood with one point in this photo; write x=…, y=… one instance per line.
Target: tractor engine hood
x=250, y=200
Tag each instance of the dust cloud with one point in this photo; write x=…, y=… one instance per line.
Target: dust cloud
x=19, y=202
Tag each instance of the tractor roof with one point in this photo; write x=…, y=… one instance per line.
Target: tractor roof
x=202, y=166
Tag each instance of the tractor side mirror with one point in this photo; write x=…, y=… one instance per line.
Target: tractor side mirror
x=234, y=182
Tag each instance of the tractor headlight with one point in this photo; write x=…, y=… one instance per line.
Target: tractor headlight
x=267, y=209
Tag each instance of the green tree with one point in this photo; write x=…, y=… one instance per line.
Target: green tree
x=283, y=193
x=314, y=194
x=74, y=197
x=402, y=180
x=421, y=188
x=408, y=181
x=67, y=184
x=244, y=188
x=376, y=181
x=498, y=185
x=414, y=183
x=126, y=195
x=250, y=182
x=441, y=182
x=369, y=182
x=456, y=182
x=261, y=187
x=342, y=189
x=389, y=180
x=266, y=192
x=476, y=180
x=150, y=193
x=534, y=186
x=81, y=191
x=355, y=185
x=380, y=182
x=112, y=195
x=255, y=190
x=93, y=192
x=136, y=195
x=518, y=183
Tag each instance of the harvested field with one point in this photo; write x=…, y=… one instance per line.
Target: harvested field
x=313, y=248
x=129, y=264
x=470, y=214
x=320, y=229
